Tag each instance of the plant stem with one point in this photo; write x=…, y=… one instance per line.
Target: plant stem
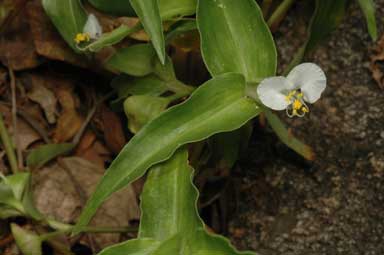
x=91, y=229
x=14, y=120
x=113, y=37
x=63, y=228
x=179, y=87
x=278, y=15
x=7, y=143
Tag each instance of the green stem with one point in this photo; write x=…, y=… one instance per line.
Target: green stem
x=279, y=13
x=91, y=229
x=179, y=87
x=5, y=138
x=63, y=228
x=112, y=37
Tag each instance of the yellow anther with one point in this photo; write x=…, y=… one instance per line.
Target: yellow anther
x=297, y=104
x=305, y=109
x=82, y=37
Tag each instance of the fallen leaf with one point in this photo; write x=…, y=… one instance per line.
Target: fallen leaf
x=44, y=97
x=377, y=63
x=113, y=130
x=60, y=192
x=26, y=134
x=70, y=121
x=68, y=124
x=8, y=10
x=16, y=46
x=96, y=153
x=86, y=142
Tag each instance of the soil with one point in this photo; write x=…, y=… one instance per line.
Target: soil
x=335, y=204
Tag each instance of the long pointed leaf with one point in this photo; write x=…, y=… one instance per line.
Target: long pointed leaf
x=68, y=16
x=219, y=105
x=170, y=216
x=368, y=7
x=149, y=14
x=235, y=38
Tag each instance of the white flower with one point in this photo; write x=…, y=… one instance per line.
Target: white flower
x=304, y=83
x=92, y=27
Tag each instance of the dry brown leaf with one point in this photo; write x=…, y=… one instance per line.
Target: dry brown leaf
x=86, y=142
x=40, y=94
x=58, y=189
x=26, y=134
x=47, y=40
x=96, y=153
x=377, y=63
x=113, y=130
x=16, y=46
x=68, y=124
x=70, y=121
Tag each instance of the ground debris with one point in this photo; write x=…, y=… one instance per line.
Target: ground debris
x=61, y=189
x=377, y=63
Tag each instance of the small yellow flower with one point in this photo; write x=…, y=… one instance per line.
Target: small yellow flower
x=82, y=37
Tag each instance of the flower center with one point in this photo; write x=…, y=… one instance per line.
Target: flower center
x=297, y=106
x=82, y=37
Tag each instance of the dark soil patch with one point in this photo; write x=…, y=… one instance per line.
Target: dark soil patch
x=335, y=204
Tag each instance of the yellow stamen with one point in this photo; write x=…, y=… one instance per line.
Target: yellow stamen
x=82, y=37
x=297, y=104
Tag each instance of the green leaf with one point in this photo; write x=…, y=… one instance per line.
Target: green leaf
x=149, y=14
x=179, y=28
x=132, y=247
x=368, y=7
x=111, y=38
x=168, y=8
x=142, y=109
x=126, y=86
x=219, y=105
x=18, y=183
x=136, y=60
x=115, y=7
x=15, y=192
x=8, y=212
x=43, y=154
x=287, y=138
x=29, y=243
x=170, y=216
x=172, y=8
x=7, y=197
x=168, y=200
x=235, y=38
x=148, y=85
x=326, y=17
x=68, y=16
x=226, y=147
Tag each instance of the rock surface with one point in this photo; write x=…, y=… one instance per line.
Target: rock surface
x=335, y=204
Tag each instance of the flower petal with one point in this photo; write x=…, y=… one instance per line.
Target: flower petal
x=92, y=27
x=310, y=78
x=271, y=92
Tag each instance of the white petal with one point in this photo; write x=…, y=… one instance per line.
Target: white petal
x=272, y=92
x=92, y=27
x=310, y=78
